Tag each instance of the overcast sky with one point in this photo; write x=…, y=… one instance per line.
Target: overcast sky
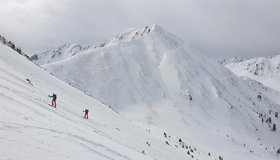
x=218, y=28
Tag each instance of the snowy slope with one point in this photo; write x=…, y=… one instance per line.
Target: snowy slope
x=159, y=82
x=262, y=69
x=31, y=129
x=62, y=52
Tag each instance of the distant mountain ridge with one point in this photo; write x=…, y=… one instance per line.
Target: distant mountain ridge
x=231, y=60
x=263, y=69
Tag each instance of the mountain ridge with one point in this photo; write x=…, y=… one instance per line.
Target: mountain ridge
x=262, y=69
x=68, y=50
x=62, y=52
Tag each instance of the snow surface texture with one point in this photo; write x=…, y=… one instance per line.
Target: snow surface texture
x=262, y=69
x=162, y=84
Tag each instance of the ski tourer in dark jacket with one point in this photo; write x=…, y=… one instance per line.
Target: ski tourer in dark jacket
x=53, y=99
x=86, y=113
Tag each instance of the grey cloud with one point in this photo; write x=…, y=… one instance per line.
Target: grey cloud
x=218, y=28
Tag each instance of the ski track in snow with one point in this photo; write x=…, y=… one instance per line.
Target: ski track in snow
x=87, y=143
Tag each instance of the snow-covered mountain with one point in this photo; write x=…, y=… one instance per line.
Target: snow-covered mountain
x=31, y=129
x=68, y=50
x=263, y=69
x=159, y=82
x=62, y=52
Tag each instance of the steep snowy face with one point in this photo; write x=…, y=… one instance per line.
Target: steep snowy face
x=264, y=70
x=157, y=80
x=68, y=50
x=132, y=68
x=61, y=53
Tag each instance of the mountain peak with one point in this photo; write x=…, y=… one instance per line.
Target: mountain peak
x=134, y=34
x=157, y=28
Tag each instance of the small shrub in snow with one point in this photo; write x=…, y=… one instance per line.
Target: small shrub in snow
x=259, y=97
x=102, y=44
x=278, y=151
x=268, y=120
x=165, y=135
x=274, y=127
x=148, y=144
